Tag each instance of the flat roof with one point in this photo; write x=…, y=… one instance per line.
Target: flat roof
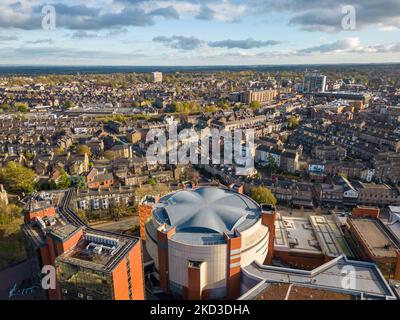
x=295, y=234
x=104, y=261
x=63, y=232
x=374, y=186
x=394, y=209
x=394, y=229
x=376, y=239
x=330, y=238
x=366, y=281
x=279, y=291
x=316, y=234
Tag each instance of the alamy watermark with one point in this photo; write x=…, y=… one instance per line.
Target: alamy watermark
x=349, y=20
x=349, y=277
x=49, y=20
x=204, y=147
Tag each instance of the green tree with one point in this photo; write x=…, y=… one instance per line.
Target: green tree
x=17, y=178
x=263, y=195
x=272, y=166
x=255, y=105
x=151, y=181
x=64, y=182
x=22, y=107
x=79, y=182
x=8, y=213
x=68, y=104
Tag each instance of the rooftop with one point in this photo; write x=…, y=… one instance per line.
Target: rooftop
x=366, y=281
x=278, y=291
x=316, y=234
x=394, y=209
x=97, y=250
x=375, y=237
x=295, y=234
x=204, y=214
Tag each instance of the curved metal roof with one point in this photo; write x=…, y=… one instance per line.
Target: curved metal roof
x=207, y=210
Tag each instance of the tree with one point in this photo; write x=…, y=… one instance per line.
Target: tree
x=22, y=107
x=69, y=104
x=9, y=212
x=64, y=181
x=82, y=149
x=272, y=166
x=211, y=109
x=79, y=182
x=263, y=195
x=255, y=105
x=82, y=214
x=119, y=210
x=109, y=155
x=151, y=181
x=58, y=151
x=293, y=122
x=17, y=178
x=49, y=185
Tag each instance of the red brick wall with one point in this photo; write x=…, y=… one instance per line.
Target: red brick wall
x=385, y=264
x=120, y=276
x=120, y=281
x=163, y=267
x=194, y=284
x=52, y=251
x=233, y=273
x=136, y=259
x=268, y=219
x=362, y=212
x=302, y=261
x=144, y=213
x=47, y=212
x=71, y=242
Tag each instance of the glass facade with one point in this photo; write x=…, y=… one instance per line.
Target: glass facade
x=79, y=283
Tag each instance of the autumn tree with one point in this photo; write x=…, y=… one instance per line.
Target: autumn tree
x=82, y=149
x=17, y=178
x=293, y=122
x=263, y=195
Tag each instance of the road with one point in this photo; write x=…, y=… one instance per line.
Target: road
x=117, y=226
x=14, y=275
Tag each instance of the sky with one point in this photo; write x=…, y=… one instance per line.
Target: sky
x=198, y=32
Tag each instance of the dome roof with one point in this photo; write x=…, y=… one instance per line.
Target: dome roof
x=207, y=210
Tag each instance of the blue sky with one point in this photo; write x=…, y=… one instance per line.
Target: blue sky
x=198, y=32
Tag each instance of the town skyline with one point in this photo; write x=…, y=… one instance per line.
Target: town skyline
x=191, y=32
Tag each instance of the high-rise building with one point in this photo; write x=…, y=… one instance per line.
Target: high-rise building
x=314, y=82
x=157, y=77
x=89, y=264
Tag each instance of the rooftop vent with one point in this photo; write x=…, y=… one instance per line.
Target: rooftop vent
x=101, y=240
x=40, y=223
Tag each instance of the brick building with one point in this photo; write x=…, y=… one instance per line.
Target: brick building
x=90, y=264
